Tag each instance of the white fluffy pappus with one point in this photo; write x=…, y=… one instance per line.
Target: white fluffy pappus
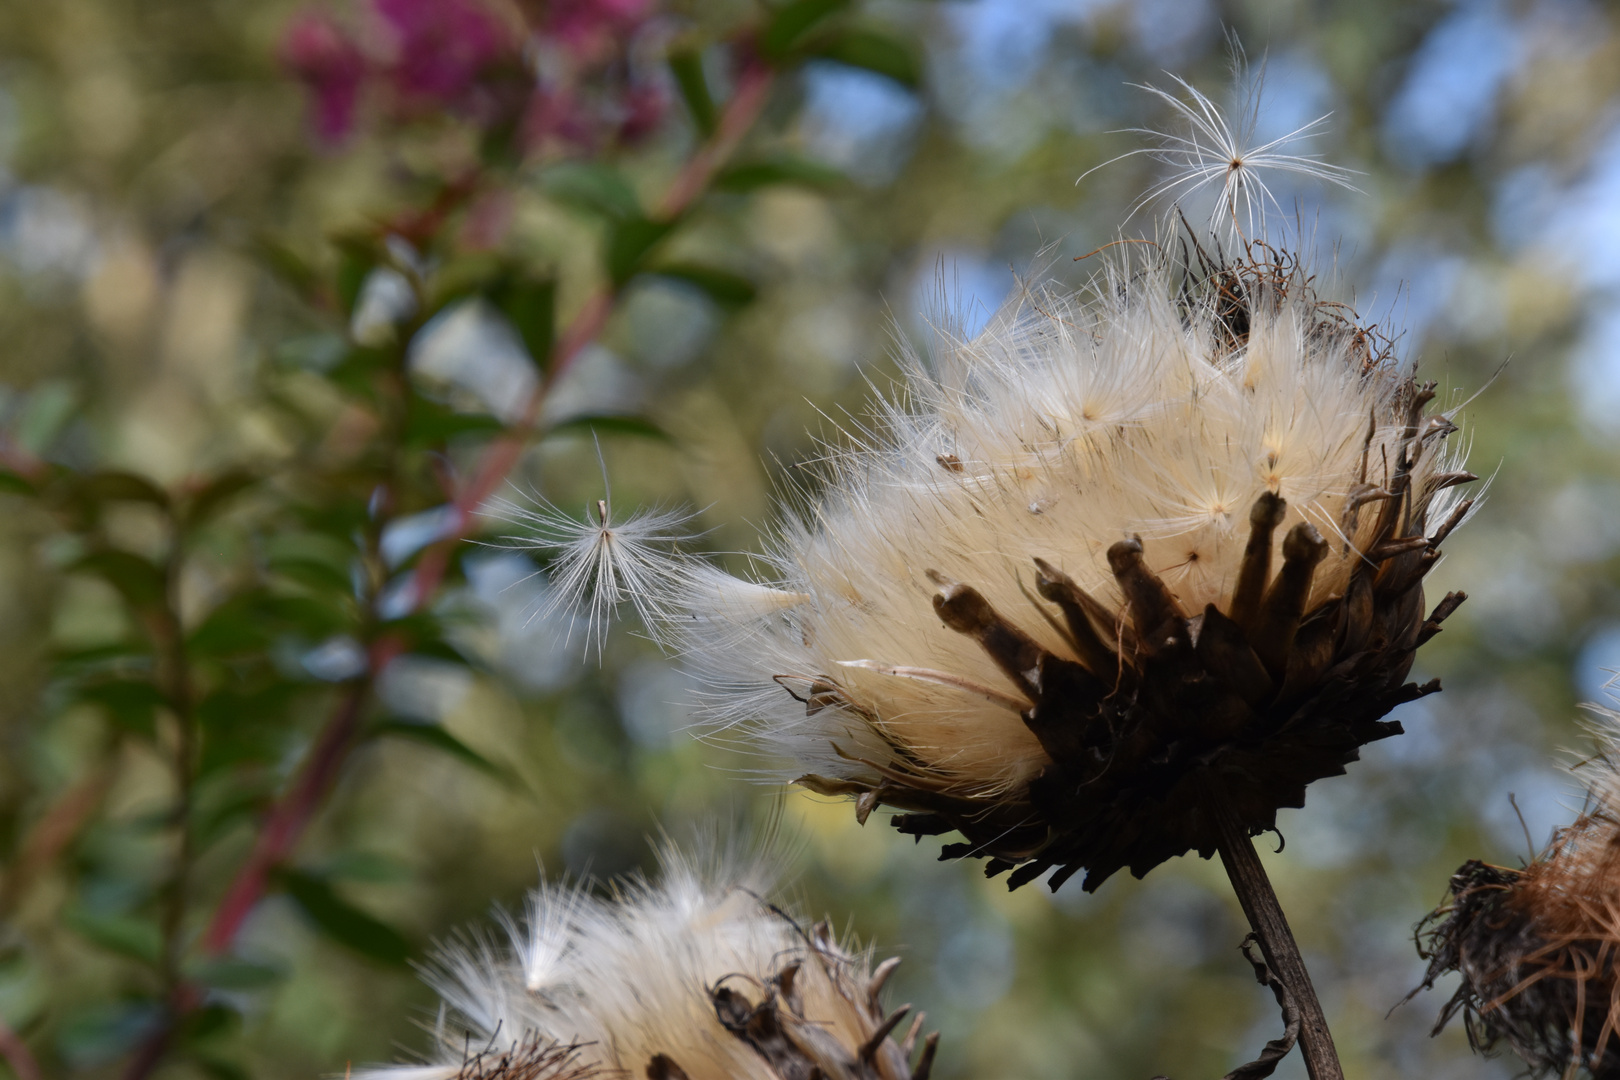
x=599, y=561
x=1069, y=423
x=697, y=977
x=1215, y=151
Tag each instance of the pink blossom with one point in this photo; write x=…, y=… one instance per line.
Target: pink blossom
x=442, y=47
x=329, y=62
x=644, y=107
x=587, y=26
x=557, y=114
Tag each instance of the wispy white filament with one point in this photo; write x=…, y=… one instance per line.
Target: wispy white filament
x=599, y=561
x=1215, y=151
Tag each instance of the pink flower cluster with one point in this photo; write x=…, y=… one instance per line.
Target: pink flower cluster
x=567, y=73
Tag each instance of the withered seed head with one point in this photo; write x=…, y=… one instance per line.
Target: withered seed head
x=1537, y=947
x=1181, y=559
x=697, y=978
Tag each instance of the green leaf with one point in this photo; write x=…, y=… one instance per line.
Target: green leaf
x=439, y=739
x=233, y=708
x=786, y=169
x=314, y=352
x=247, y=623
x=464, y=276
x=248, y=798
x=286, y=264
x=418, y=629
x=687, y=67
x=793, y=23
x=216, y=492
x=232, y=629
x=119, y=658
x=530, y=301
x=132, y=703
x=611, y=425
x=100, y=1033
x=231, y=973
x=357, y=257
x=307, y=615
x=877, y=52
x=324, y=545
x=630, y=242
x=50, y=406
x=357, y=371
x=219, y=1068
x=367, y=866
x=721, y=286
x=207, y=1022
x=438, y=649
x=343, y=922
x=12, y=484
x=122, y=934
x=137, y=580
x=592, y=186
x=427, y=423
x=114, y=485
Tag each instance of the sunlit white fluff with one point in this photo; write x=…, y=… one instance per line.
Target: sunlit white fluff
x=1067, y=424
x=630, y=979
x=599, y=561
x=1215, y=150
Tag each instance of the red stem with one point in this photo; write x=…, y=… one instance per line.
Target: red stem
x=753, y=87
x=17, y=1055
x=20, y=461
x=51, y=834
x=289, y=817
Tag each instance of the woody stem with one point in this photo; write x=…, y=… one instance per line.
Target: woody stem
x=1265, y=916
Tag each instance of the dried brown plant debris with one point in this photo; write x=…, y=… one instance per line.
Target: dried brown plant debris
x=1537, y=946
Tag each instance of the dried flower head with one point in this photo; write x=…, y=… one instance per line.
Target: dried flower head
x=1041, y=604
x=695, y=978
x=1537, y=947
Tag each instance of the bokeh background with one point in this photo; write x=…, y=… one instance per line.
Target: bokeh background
x=175, y=173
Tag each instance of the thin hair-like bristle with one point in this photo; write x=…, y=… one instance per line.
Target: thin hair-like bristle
x=599, y=561
x=1220, y=151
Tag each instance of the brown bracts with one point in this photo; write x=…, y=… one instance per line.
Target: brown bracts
x=792, y=1035
x=1537, y=947
x=1151, y=711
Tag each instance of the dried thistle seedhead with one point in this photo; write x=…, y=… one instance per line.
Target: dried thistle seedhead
x=1118, y=555
x=697, y=978
x=1536, y=947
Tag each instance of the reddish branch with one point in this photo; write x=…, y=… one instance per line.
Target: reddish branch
x=53, y=832
x=292, y=814
x=289, y=817
x=753, y=87
x=17, y=1055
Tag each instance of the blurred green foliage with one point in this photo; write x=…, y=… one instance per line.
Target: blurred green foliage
x=245, y=372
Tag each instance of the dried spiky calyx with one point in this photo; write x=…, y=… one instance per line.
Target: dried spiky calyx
x=1154, y=712
x=778, y=1018
x=695, y=979
x=1537, y=947
x=1287, y=488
